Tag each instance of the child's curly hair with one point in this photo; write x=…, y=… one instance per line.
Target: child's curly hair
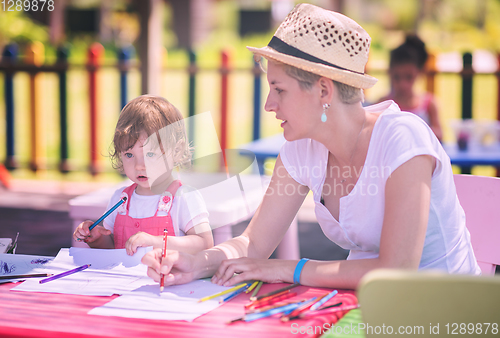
x=150, y=114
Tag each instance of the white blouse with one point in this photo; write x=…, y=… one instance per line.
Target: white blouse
x=396, y=138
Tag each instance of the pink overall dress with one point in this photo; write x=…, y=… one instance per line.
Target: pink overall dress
x=126, y=226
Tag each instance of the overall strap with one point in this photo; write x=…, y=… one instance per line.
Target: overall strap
x=167, y=198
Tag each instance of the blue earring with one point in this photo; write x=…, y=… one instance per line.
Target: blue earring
x=323, y=116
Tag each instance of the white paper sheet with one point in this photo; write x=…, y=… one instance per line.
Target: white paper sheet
x=114, y=272
x=111, y=272
x=21, y=265
x=179, y=302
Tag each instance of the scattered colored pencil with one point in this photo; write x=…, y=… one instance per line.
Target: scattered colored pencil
x=252, y=286
x=323, y=300
x=270, y=299
x=34, y=275
x=288, y=287
x=267, y=302
x=258, y=315
x=294, y=314
x=64, y=274
x=256, y=291
x=218, y=294
x=234, y=294
x=312, y=314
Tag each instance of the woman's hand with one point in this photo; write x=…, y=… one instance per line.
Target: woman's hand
x=177, y=267
x=82, y=232
x=141, y=239
x=234, y=271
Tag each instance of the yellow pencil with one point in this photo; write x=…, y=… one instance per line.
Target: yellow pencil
x=252, y=286
x=237, y=287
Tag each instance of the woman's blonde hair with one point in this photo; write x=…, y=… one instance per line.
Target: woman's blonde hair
x=150, y=114
x=347, y=94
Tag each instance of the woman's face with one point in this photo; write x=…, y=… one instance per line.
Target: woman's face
x=292, y=105
x=403, y=77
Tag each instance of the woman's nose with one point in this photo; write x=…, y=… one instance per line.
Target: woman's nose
x=270, y=104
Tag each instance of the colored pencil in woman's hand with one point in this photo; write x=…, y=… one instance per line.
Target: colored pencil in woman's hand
x=163, y=255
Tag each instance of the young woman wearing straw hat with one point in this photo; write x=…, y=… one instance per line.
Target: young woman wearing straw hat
x=382, y=184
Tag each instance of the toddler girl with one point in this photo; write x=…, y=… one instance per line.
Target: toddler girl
x=149, y=141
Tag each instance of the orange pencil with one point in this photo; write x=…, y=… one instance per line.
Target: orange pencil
x=271, y=302
x=270, y=299
x=163, y=255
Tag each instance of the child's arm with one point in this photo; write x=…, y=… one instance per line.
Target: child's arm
x=198, y=238
x=99, y=237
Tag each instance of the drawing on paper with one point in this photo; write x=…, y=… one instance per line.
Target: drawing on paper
x=5, y=268
x=40, y=261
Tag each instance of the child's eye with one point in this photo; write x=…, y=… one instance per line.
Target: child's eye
x=150, y=154
x=128, y=155
x=279, y=90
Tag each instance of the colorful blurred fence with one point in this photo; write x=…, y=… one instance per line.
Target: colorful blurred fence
x=33, y=64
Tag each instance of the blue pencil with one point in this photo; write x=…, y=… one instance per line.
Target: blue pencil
x=63, y=274
x=107, y=213
x=323, y=300
x=254, y=316
x=235, y=293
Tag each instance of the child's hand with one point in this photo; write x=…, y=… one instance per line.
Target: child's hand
x=82, y=232
x=140, y=239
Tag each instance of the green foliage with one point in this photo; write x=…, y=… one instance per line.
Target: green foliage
x=16, y=27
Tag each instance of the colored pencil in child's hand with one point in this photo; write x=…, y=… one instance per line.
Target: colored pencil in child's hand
x=106, y=214
x=163, y=255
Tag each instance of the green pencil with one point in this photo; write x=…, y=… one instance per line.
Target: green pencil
x=256, y=291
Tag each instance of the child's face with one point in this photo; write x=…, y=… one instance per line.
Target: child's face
x=403, y=77
x=146, y=165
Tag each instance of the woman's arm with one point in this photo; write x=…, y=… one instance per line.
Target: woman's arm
x=407, y=201
x=266, y=229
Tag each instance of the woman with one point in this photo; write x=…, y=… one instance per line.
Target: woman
x=382, y=183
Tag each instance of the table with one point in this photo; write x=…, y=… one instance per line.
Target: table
x=476, y=154
x=49, y=315
x=225, y=202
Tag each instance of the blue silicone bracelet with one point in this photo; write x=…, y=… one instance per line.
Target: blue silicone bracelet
x=298, y=270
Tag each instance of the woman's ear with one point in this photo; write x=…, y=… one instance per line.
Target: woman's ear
x=326, y=88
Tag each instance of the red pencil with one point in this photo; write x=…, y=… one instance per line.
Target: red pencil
x=267, y=299
x=271, y=301
x=163, y=255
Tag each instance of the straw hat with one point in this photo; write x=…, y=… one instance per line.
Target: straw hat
x=322, y=42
